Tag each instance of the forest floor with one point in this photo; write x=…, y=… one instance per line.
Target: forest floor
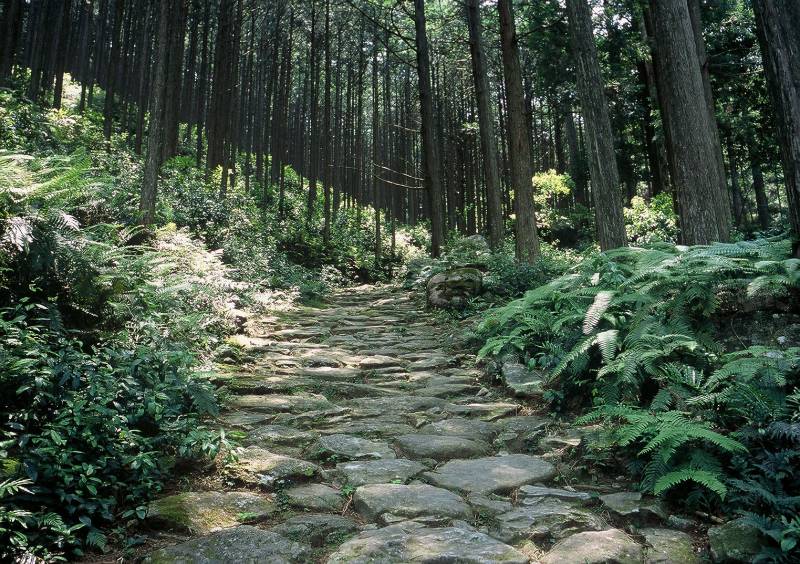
x=367, y=436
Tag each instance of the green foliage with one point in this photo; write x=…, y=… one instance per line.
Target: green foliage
x=630, y=335
x=94, y=431
x=651, y=222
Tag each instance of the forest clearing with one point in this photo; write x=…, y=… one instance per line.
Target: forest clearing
x=388, y=281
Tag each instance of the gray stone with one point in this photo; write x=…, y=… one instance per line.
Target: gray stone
x=382, y=427
x=378, y=471
x=314, y=497
x=520, y=434
x=461, y=427
x=529, y=492
x=203, y=512
x=377, y=361
x=486, y=411
x=278, y=403
x=281, y=435
x=268, y=469
x=454, y=288
x=543, y=519
x=374, y=501
x=667, y=546
x=523, y=382
x=317, y=529
x=243, y=419
x=632, y=507
x=347, y=447
x=494, y=474
x=489, y=506
x=567, y=439
x=735, y=541
x=243, y=544
x=421, y=545
x=440, y=447
x=377, y=407
x=431, y=362
x=601, y=547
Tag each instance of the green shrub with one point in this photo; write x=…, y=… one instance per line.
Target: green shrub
x=651, y=222
x=93, y=431
x=630, y=335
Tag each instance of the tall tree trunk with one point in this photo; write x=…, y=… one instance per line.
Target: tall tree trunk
x=111, y=71
x=430, y=157
x=762, y=203
x=11, y=29
x=737, y=200
x=778, y=27
x=155, y=134
x=527, y=238
x=494, y=196
x=599, y=138
x=700, y=186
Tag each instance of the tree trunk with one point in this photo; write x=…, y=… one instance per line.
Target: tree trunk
x=155, y=134
x=527, y=238
x=700, y=186
x=778, y=27
x=762, y=203
x=599, y=138
x=494, y=196
x=430, y=157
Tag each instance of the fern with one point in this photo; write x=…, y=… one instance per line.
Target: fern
x=703, y=478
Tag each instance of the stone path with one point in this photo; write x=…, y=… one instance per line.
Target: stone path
x=365, y=440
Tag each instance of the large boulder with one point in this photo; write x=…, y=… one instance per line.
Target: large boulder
x=735, y=541
x=453, y=288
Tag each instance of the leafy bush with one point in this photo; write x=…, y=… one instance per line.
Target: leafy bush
x=93, y=432
x=651, y=222
x=630, y=334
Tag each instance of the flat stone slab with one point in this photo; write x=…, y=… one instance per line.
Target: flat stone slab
x=243, y=419
x=280, y=403
x=314, y=497
x=269, y=469
x=378, y=471
x=488, y=506
x=238, y=544
x=379, y=361
x=440, y=447
x=375, y=407
x=543, y=519
x=375, y=501
x=388, y=427
x=521, y=433
x=430, y=363
x=667, y=546
x=526, y=493
x=281, y=435
x=204, y=512
x=317, y=529
x=474, y=429
x=348, y=447
x=523, y=382
x=394, y=544
x=493, y=474
x=485, y=411
x=600, y=547
x=454, y=391
x=633, y=507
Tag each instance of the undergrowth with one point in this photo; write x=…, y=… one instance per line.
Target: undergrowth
x=634, y=338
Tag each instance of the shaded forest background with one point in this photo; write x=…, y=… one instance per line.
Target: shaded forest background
x=167, y=167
